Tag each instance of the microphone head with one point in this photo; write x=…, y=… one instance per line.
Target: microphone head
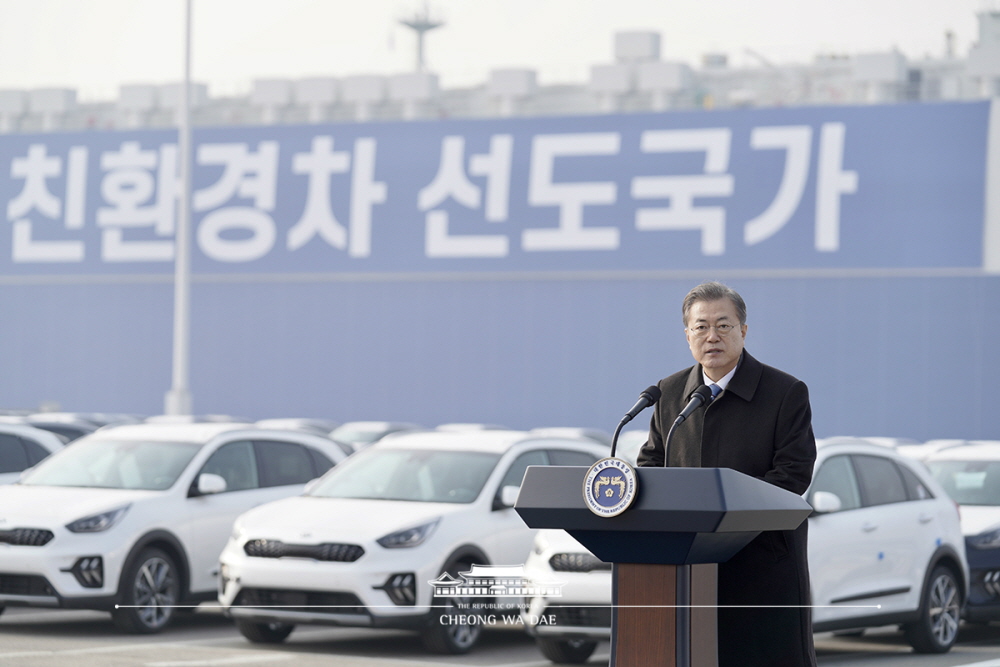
x=704, y=392
x=653, y=393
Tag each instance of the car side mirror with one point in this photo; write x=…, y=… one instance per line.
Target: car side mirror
x=310, y=485
x=824, y=502
x=507, y=497
x=210, y=484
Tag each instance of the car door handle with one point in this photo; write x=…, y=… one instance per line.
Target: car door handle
x=869, y=527
x=925, y=518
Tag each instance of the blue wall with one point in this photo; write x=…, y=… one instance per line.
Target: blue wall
x=911, y=357
x=892, y=329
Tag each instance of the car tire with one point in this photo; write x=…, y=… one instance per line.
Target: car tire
x=148, y=591
x=264, y=633
x=452, y=638
x=566, y=651
x=936, y=630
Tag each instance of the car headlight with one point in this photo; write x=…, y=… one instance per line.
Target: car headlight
x=409, y=537
x=986, y=540
x=95, y=523
x=238, y=531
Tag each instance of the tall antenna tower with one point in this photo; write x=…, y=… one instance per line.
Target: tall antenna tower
x=421, y=23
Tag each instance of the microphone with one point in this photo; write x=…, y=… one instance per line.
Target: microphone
x=649, y=396
x=701, y=396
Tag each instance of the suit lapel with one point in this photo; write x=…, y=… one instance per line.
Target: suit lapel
x=685, y=449
x=693, y=382
x=747, y=377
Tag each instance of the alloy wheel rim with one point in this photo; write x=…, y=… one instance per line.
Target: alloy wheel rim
x=154, y=592
x=944, y=610
x=463, y=635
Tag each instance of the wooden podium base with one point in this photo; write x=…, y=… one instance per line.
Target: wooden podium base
x=664, y=616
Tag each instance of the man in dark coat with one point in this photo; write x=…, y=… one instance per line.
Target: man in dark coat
x=758, y=424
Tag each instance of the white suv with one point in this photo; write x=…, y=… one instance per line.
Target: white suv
x=885, y=547
x=131, y=519
x=885, y=533
x=366, y=544
x=970, y=473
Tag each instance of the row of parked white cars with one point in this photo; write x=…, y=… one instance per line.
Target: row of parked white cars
x=133, y=518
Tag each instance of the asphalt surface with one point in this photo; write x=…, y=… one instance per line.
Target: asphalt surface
x=44, y=638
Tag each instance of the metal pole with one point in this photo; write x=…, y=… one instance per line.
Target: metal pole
x=683, y=618
x=178, y=399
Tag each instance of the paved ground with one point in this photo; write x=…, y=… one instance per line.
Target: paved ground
x=37, y=638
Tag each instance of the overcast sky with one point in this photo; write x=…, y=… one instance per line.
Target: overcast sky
x=95, y=46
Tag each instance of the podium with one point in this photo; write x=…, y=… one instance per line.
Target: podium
x=664, y=549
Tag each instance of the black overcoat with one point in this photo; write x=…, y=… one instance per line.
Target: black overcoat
x=761, y=425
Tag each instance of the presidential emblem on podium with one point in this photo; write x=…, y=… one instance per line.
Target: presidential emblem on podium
x=609, y=487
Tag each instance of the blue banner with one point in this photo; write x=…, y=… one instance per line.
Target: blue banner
x=897, y=186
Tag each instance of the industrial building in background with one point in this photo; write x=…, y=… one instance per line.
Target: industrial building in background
x=639, y=80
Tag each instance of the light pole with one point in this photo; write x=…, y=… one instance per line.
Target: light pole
x=178, y=399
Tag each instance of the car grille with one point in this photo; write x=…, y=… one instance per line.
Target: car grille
x=985, y=588
x=26, y=537
x=307, y=601
x=345, y=553
x=577, y=562
x=25, y=584
x=580, y=617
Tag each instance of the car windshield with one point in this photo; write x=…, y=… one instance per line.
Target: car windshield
x=969, y=482
x=409, y=474
x=355, y=435
x=114, y=464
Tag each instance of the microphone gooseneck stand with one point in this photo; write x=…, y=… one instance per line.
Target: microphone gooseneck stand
x=614, y=438
x=683, y=598
x=647, y=398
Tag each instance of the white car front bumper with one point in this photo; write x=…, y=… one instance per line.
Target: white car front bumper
x=583, y=609
x=380, y=589
x=72, y=571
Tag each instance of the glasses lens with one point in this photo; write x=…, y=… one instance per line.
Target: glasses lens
x=702, y=329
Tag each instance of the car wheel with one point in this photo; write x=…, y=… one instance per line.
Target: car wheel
x=454, y=626
x=940, y=612
x=264, y=633
x=566, y=651
x=148, y=591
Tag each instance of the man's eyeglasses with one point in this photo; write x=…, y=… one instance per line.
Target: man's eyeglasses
x=701, y=330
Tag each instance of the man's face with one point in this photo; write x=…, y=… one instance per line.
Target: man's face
x=717, y=353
